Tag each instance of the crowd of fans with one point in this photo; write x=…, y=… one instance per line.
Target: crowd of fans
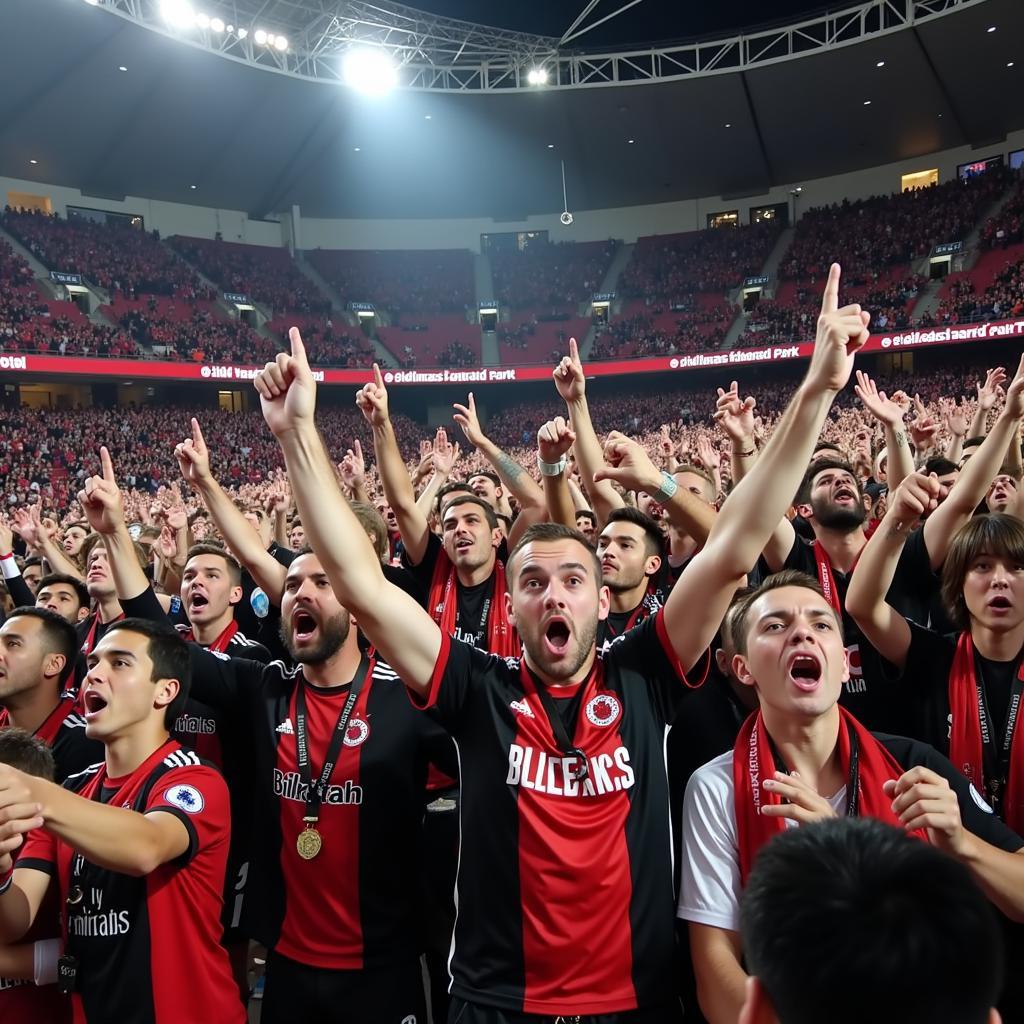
x=428, y=281
x=117, y=257
x=884, y=231
x=266, y=275
x=49, y=452
x=550, y=276
x=1007, y=227
x=1003, y=298
x=668, y=269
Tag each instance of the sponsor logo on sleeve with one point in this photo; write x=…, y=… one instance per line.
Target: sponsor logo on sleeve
x=188, y=798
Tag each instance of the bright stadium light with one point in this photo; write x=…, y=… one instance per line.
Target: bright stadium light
x=281, y=43
x=217, y=25
x=537, y=76
x=242, y=33
x=203, y=20
x=260, y=37
x=178, y=13
x=370, y=71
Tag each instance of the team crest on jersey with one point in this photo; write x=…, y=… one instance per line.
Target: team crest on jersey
x=286, y=727
x=188, y=798
x=356, y=733
x=603, y=710
x=522, y=708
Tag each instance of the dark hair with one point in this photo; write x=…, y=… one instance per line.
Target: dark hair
x=58, y=636
x=168, y=652
x=899, y=932
x=586, y=512
x=803, y=496
x=822, y=446
x=548, y=533
x=654, y=542
x=80, y=589
x=493, y=477
x=995, y=534
x=472, y=499
x=233, y=567
x=786, y=578
x=972, y=442
x=939, y=465
x=445, y=489
x=31, y=562
x=27, y=753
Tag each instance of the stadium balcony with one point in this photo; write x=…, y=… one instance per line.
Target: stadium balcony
x=266, y=275
x=550, y=276
x=432, y=340
x=427, y=281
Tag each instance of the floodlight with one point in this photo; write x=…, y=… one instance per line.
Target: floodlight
x=537, y=76
x=260, y=37
x=178, y=13
x=203, y=20
x=217, y=25
x=242, y=33
x=281, y=43
x=370, y=71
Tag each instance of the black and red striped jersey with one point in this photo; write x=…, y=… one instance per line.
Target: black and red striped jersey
x=564, y=889
x=356, y=904
x=64, y=732
x=148, y=948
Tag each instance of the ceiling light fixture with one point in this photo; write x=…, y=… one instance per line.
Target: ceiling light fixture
x=991, y=28
x=867, y=103
x=178, y=13
x=121, y=67
x=630, y=141
x=193, y=186
x=281, y=43
x=728, y=124
x=32, y=160
x=537, y=76
x=880, y=64
x=370, y=70
x=203, y=20
x=217, y=25
x=260, y=37
x=242, y=33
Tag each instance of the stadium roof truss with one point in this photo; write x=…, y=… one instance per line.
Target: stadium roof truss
x=438, y=54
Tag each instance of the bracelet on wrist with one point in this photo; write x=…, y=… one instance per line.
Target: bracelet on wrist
x=552, y=468
x=667, y=490
x=752, y=450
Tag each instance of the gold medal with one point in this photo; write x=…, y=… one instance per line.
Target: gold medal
x=309, y=842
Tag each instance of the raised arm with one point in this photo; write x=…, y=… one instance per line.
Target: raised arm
x=288, y=396
x=988, y=395
x=571, y=384
x=735, y=418
x=700, y=598
x=977, y=475
x=42, y=537
x=413, y=526
x=245, y=543
x=899, y=462
x=353, y=472
x=885, y=628
x=554, y=440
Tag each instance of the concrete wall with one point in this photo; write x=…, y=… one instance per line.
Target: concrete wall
x=625, y=223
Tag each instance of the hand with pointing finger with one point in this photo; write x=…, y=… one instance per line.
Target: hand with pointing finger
x=287, y=389
x=372, y=400
x=841, y=332
x=194, y=457
x=101, y=498
x=570, y=381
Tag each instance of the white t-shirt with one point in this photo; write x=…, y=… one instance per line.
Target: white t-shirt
x=710, y=891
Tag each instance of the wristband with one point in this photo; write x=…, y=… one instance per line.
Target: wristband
x=667, y=490
x=9, y=567
x=5, y=879
x=552, y=468
x=744, y=455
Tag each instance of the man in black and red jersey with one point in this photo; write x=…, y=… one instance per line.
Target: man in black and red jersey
x=630, y=549
x=137, y=846
x=38, y=649
x=28, y=969
x=340, y=760
x=565, y=876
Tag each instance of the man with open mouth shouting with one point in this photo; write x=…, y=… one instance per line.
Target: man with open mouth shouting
x=565, y=877
x=336, y=762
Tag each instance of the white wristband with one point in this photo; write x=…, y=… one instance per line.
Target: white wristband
x=9, y=567
x=668, y=488
x=552, y=468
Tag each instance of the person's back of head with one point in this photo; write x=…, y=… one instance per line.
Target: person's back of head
x=849, y=920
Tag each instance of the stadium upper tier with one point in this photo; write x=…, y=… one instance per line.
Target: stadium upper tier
x=674, y=294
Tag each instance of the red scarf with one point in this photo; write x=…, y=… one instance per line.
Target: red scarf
x=220, y=645
x=502, y=638
x=752, y=763
x=966, y=749
x=90, y=639
x=826, y=577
